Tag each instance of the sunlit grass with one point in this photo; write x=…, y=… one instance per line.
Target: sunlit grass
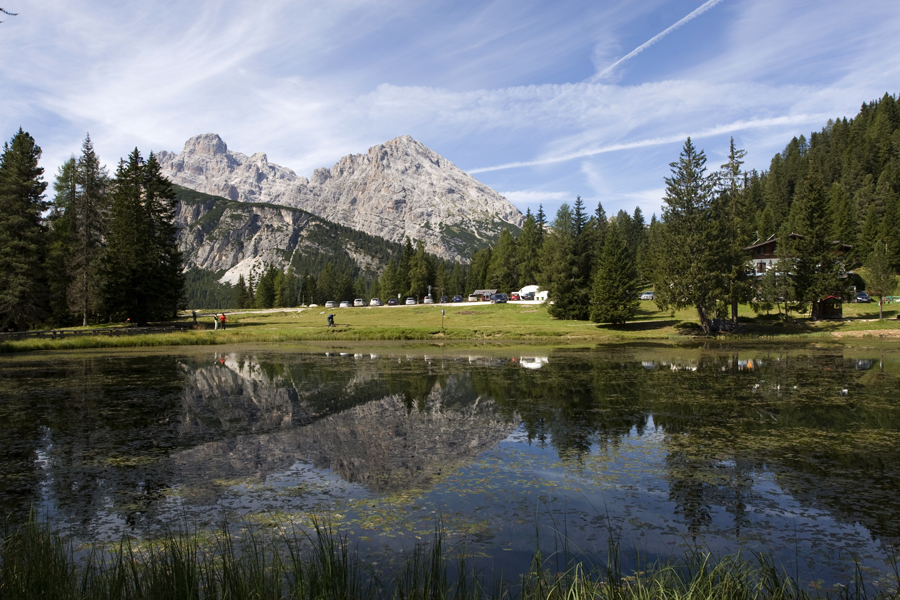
x=475, y=322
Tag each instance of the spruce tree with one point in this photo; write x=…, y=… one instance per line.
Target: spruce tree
x=686, y=269
x=503, y=272
x=241, y=295
x=882, y=278
x=24, y=299
x=815, y=262
x=142, y=265
x=614, y=292
x=87, y=214
x=529, y=248
x=61, y=240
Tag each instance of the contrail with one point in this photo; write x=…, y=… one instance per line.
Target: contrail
x=699, y=11
x=678, y=137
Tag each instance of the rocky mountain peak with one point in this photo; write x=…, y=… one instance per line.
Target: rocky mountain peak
x=397, y=189
x=205, y=143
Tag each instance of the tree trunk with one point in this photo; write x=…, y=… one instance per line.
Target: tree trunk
x=704, y=318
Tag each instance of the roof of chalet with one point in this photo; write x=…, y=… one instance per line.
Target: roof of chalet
x=483, y=293
x=795, y=236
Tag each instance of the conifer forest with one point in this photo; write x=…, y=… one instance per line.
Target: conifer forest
x=101, y=247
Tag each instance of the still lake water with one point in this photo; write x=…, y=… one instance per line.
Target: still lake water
x=791, y=451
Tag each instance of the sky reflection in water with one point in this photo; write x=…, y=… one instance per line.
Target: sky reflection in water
x=663, y=449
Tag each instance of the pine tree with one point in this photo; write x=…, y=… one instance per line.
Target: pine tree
x=24, y=297
x=420, y=272
x=265, y=289
x=815, y=262
x=529, y=248
x=241, y=295
x=142, y=265
x=686, y=269
x=61, y=236
x=614, y=292
x=87, y=214
x=502, y=271
x=882, y=278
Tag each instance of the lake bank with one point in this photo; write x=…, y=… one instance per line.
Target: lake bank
x=468, y=322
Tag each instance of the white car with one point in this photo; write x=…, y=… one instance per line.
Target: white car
x=345, y=304
x=376, y=302
x=410, y=300
x=331, y=304
x=647, y=296
x=428, y=300
x=359, y=302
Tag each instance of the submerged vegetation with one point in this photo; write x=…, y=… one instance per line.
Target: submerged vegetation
x=36, y=562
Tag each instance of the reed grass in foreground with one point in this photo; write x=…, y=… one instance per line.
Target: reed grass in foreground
x=36, y=563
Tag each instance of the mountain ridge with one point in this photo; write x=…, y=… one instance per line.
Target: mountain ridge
x=396, y=190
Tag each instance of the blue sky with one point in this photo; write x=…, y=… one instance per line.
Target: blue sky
x=542, y=101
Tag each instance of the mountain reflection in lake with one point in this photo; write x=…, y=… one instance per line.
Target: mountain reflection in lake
x=793, y=452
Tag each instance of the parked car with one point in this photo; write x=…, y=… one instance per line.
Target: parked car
x=376, y=302
x=647, y=296
x=393, y=302
x=411, y=300
x=359, y=302
x=331, y=304
x=515, y=296
x=445, y=299
x=862, y=297
x=345, y=304
x=428, y=300
x=474, y=298
x=528, y=296
x=499, y=299
x=457, y=298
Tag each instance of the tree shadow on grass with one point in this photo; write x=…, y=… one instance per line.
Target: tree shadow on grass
x=643, y=325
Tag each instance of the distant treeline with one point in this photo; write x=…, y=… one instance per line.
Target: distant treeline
x=837, y=193
x=102, y=250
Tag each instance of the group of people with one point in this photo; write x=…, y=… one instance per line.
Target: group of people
x=219, y=321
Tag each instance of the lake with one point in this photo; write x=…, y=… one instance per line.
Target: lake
x=663, y=449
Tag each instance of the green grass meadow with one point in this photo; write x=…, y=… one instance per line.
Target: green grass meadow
x=471, y=322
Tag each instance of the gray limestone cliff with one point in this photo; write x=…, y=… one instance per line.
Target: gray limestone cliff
x=396, y=190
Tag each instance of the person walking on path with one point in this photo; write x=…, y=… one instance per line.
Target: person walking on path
x=222, y=320
x=194, y=314
x=215, y=321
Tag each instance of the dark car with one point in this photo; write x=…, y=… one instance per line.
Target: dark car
x=457, y=298
x=393, y=302
x=499, y=299
x=528, y=296
x=445, y=299
x=862, y=297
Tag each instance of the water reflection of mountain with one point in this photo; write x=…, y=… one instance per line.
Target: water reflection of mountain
x=116, y=433
x=381, y=423
x=379, y=444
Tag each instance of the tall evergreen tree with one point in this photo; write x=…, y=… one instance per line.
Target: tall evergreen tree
x=529, y=248
x=614, y=292
x=686, y=269
x=23, y=287
x=503, y=270
x=420, y=272
x=241, y=295
x=816, y=264
x=87, y=215
x=882, y=280
x=61, y=236
x=142, y=265
x=563, y=272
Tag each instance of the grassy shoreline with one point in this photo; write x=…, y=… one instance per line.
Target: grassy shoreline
x=474, y=323
x=36, y=562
